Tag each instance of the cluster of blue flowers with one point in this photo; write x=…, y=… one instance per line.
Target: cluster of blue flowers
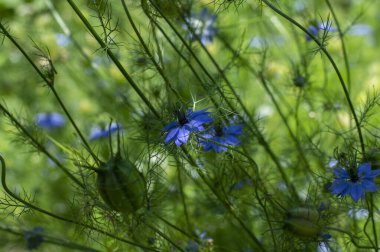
x=214, y=138
x=354, y=182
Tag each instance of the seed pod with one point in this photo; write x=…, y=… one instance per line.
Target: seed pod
x=303, y=222
x=304, y=213
x=121, y=185
x=302, y=227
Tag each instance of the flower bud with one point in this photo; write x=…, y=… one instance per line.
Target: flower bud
x=304, y=213
x=303, y=222
x=121, y=185
x=303, y=228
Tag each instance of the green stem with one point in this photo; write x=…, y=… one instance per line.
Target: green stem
x=352, y=238
x=39, y=146
x=112, y=56
x=38, y=209
x=328, y=55
x=50, y=84
x=344, y=50
x=164, y=236
x=182, y=195
x=147, y=51
x=52, y=240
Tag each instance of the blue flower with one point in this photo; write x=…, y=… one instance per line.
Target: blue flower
x=99, y=132
x=202, y=25
x=226, y=135
x=62, y=39
x=34, y=238
x=179, y=131
x=50, y=120
x=315, y=29
x=354, y=183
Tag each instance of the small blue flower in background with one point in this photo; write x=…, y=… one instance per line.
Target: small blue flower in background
x=354, y=183
x=242, y=183
x=360, y=30
x=62, y=39
x=191, y=121
x=226, y=135
x=193, y=246
x=50, y=120
x=34, y=238
x=99, y=132
x=203, y=26
x=315, y=29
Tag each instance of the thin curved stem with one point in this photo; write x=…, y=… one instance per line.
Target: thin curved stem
x=38, y=209
x=50, y=83
x=344, y=50
x=39, y=146
x=336, y=69
x=113, y=57
x=52, y=240
x=352, y=238
x=147, y=51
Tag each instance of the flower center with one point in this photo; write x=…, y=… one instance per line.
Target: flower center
x=354, y=178
x=353, y=175
x=181, y=117
x=218, y=130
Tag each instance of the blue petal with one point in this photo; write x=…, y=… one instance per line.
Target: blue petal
x=369, y=185
x=364, y=168
x=232, y=140
x=171, y=135
x=234, y=129
x=202, y=119
x=339, y=187
x=192, y=114
x=50, y=120
x=341, y=173
x=356, y=191
x=183, y=136
x=373, y=174
x=170, y=126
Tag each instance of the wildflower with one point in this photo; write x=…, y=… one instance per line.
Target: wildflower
x=202, y=26
x=62, y=39
x=354, y=182
x=315, y=29
x=100, y=132
x=204, y=241
x=242, y=183
x=34, y=238
x=360, y=30
x=226, y=135
x=192, y=121
x=361, y=213
x=50, y=120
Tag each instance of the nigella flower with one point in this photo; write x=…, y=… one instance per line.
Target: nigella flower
x=192, y=121
x=315, y=29
x=102, y=132
x=226, y=135
x=34, y=238
x=193, y=246
x=50, y=120
x=62, y=39
x=354, y=182
x=202, y=25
